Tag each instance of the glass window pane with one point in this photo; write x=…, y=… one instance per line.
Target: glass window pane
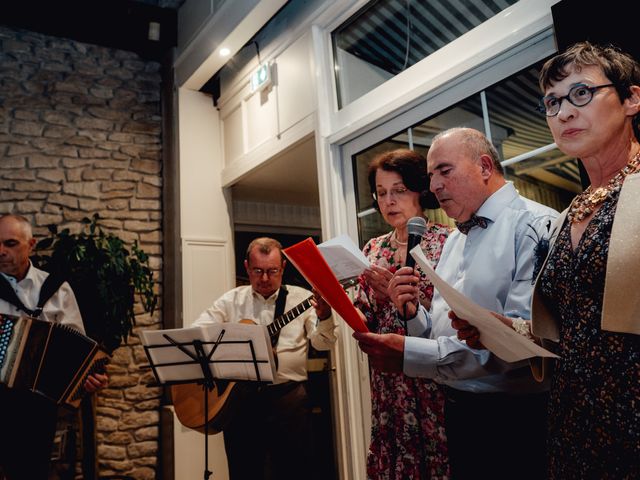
x=467, y=113
x=547, y=177
x=371, y=224
x=543, y=174
x=388, y=36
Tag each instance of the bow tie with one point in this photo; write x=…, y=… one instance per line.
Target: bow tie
x=474, y=221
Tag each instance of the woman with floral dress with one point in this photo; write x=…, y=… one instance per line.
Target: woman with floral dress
x=407, y=432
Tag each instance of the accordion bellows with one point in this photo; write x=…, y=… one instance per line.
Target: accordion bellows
x=47, y=358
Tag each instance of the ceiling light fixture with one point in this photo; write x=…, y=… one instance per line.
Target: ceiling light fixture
x=224, y=52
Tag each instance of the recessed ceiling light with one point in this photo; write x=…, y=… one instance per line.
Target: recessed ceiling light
x=224, y=52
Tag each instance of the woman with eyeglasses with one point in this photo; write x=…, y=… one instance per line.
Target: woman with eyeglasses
x=407, y=431
x=586, y=301
x=586, y=297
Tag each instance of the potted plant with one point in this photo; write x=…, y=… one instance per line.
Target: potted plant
x=106, y=277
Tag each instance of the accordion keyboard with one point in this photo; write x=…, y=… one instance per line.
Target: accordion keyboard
x=6, y=331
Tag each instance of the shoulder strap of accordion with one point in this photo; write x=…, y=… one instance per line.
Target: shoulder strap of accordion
x=8, y=294
x=50, y=286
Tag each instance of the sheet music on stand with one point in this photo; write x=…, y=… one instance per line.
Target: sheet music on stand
x=234, y=351
x=202, y=354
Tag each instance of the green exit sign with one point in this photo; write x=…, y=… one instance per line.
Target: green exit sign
x=261, y=78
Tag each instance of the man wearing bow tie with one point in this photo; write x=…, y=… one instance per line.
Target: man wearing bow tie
x=490, y=259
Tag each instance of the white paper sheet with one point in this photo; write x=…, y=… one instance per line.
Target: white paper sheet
x=501, y=340
x=345, y=259
x=164, y=353
x=227, y=354
x=231, y=360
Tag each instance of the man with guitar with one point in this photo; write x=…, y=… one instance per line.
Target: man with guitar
x=27, y=419
x=269, y=437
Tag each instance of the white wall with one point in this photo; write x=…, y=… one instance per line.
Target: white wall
x=207, y=249
x=256, y=127
x=203, y=203
x=295, y=84
x=189, y=454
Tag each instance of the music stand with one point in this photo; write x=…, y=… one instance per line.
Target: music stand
x=195, y=355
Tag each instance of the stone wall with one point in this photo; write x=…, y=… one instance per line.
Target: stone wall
x=80, y=133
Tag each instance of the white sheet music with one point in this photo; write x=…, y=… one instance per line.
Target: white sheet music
x=232, y=359
x=227, y=355
x=164, y=353
x=343, y=256
x=501, y=340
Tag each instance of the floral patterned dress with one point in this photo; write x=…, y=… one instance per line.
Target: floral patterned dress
x=407, y=432
x=594, y=412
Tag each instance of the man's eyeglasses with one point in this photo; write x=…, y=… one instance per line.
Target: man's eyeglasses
x=271, y=272
x=579, y=95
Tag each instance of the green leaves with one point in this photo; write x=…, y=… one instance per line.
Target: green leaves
x=105, y=277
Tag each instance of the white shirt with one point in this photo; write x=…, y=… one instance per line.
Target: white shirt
x=494, y=268
x=243, y=303
x=62, y=307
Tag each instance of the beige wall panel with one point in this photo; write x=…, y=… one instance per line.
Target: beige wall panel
x=232, y=128
x=189, y=454
x=296, y=86
x=261, y=118
x=206, y=275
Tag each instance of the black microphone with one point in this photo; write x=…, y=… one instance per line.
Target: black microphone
x=416, y=226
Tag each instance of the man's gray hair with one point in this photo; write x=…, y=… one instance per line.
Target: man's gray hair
x=475, y=142
x=264, y=245
x=24, y=223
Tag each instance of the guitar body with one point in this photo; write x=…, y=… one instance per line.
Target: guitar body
x=223, y=400
x=188, y=402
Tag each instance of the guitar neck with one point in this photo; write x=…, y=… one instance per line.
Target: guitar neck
x=287, y=317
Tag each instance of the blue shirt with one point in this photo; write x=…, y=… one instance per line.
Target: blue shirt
x=494, y=268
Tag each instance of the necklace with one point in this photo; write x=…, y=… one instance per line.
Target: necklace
x=394, y=237
x=584, y=204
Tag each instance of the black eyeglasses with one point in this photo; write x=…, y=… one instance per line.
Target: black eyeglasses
x=579, y=95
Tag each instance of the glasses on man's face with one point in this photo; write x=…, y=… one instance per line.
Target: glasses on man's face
x=397, y=192
x=579, y=95
x=271, y=272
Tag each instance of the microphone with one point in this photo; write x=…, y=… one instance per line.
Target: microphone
x=416, y=226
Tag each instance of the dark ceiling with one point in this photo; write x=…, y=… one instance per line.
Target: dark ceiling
x=122, y=24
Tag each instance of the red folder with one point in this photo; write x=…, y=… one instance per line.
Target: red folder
x=306, y=257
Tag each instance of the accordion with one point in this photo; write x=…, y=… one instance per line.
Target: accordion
x=47, y=358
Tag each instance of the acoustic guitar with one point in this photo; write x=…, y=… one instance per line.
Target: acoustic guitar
x=188, y=398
